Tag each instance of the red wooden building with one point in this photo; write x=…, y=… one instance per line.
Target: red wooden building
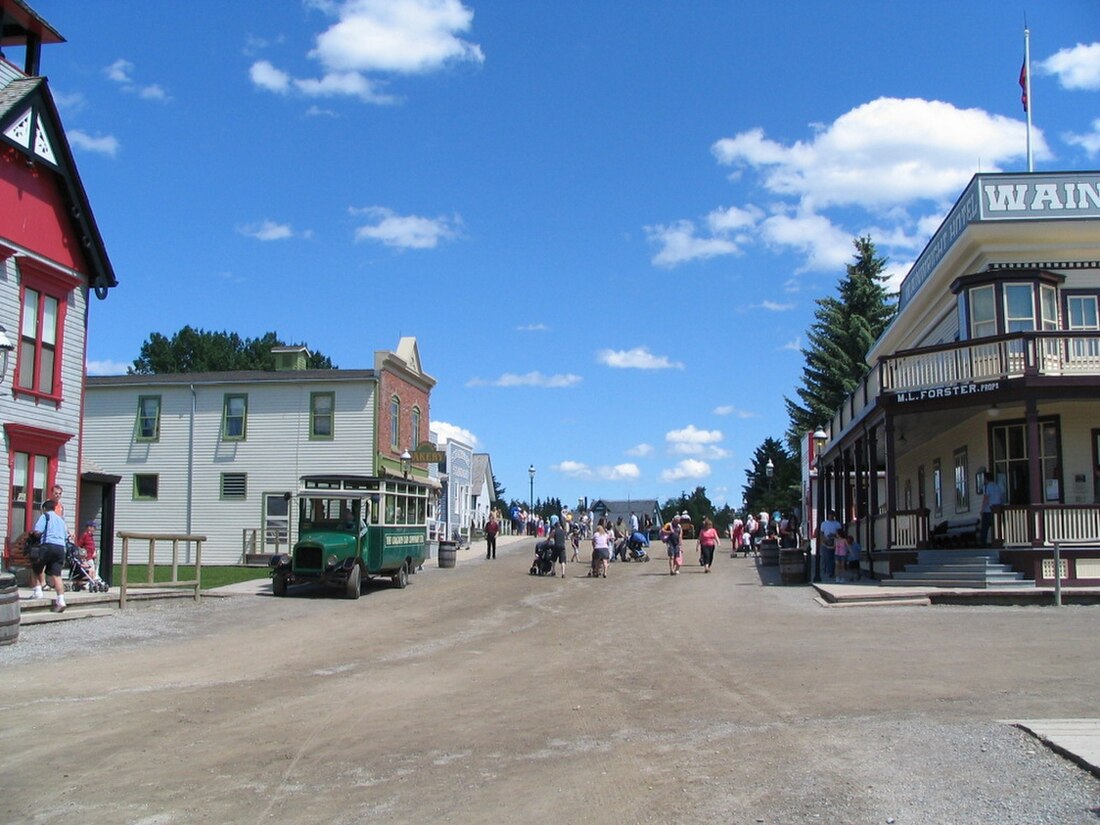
x=52, y=259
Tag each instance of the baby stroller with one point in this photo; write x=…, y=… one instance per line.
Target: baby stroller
x=82, y=573
x=635, y=546
x=544, y=560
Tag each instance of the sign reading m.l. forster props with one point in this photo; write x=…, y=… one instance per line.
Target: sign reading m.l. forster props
x=948, y=391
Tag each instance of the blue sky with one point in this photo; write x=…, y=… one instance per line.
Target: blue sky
x=605, y=223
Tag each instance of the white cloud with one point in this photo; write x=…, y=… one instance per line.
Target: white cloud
x=640, y=450
x=105, y=145
x=693, y=441
x=885, y=152
x=402, y=37
x=881, y=157
x=1077, y=68
x=107, y=367
x=729, y=409
x=639, y=358
x=1090, y=142
x=573, y=469
x=618, y=472
x=775, y=306
x=530, y=379
x=688, y=468
x=451, y=432
x=679, y=243
x=268, y=230
x=794, y=345
x=406, y=231
x=824, y=246
x=121, y=72
x=266, y=76
x=533, y=328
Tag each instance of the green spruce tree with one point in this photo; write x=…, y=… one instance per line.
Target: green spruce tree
x=843, y=331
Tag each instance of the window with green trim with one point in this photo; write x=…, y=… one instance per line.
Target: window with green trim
x=414, y=420
x=148, y=418
x=395, y=422
x=235, y=417
x=321, y=407
x=146, y=486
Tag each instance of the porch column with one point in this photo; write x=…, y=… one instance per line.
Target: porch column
x=822, y=509
x=891, y=483
x=1036, y=527
x=872, y=484
x=861, y=488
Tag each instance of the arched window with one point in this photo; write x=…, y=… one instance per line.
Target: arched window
x=395, y=422
x=414, y=436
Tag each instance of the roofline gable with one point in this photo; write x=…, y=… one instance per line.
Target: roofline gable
x=37, y=98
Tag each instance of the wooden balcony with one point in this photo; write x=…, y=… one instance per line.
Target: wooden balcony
x=992, y=359
x=963, y=367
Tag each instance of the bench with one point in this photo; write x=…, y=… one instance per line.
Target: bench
x=956, y=532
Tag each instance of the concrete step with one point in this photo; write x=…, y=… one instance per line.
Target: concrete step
x=960, y=583
x=904, y=601
x=70, y=614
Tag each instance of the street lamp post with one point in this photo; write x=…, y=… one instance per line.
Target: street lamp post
x=819, y=436
x=531, y=500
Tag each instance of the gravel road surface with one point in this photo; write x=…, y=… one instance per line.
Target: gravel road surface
x=482, y=694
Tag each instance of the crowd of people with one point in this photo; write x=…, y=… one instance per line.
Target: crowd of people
x=624, y=540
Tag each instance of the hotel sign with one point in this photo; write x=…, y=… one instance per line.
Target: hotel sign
x=994, y=198
x=946, y=391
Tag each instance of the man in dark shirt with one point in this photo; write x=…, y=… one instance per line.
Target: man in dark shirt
x=557, y=542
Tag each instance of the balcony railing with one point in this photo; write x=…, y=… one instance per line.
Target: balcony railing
x=980, y=360
x=1014, y=526
x=991, y=359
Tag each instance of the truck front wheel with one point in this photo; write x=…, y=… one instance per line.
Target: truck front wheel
x=352, y=591
x=278, y=584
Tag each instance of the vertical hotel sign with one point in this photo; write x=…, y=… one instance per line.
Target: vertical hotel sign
x=994, y=198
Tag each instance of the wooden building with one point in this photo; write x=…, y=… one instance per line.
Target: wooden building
x=217, y=454
x=991, y=369
x=52, y=259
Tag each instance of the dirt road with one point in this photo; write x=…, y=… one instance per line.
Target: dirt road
x=482, y=694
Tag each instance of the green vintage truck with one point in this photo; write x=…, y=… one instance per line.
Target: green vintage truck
x=353, y=528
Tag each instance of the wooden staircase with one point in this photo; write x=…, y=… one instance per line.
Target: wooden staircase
x=979, y=569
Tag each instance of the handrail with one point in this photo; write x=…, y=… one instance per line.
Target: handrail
x=175, y=581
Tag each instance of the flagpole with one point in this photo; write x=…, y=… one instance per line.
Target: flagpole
x=1027, y=93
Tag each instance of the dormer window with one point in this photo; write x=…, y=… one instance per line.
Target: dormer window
x=1005, y=302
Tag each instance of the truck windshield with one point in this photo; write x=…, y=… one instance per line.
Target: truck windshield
x=329, y=514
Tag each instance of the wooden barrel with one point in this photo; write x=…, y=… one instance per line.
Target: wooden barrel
x=792, y=566
x=769, y=552
x=448, y=553
x=9, y=609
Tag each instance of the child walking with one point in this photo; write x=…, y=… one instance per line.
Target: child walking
x=842, y=544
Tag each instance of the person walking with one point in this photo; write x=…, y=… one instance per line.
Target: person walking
x=708, y=542
x=557, y=543
x=51, y=558
x=675, y=541
x=993, y=495
x=492, y=527
x=826, y=544
x=601, y=552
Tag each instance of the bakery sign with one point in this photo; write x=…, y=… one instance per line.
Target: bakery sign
x=946, y=391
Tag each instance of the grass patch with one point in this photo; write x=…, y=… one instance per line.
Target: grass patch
x=212, y=576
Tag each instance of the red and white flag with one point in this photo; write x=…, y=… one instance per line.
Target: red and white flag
x=1023, y=84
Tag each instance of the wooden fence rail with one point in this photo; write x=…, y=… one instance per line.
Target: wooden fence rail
x=175, y=581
